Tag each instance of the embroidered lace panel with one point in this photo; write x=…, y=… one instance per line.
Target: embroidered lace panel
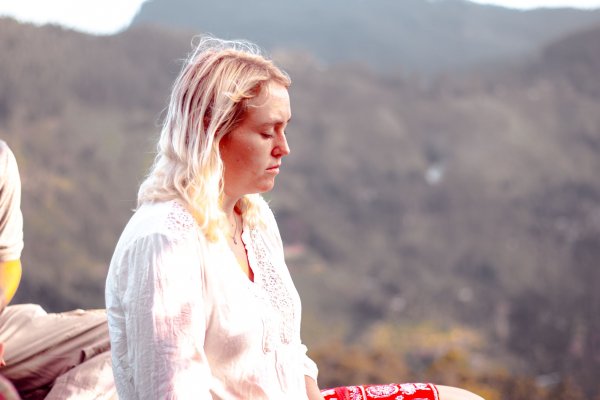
x=274, y=289
x=180, y=222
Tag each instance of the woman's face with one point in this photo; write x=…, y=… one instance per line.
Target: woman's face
x=252, y=152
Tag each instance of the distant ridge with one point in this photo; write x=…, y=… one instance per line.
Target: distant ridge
x=414, y=35
x=577, y=59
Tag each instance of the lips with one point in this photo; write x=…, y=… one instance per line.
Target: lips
x=274, y=167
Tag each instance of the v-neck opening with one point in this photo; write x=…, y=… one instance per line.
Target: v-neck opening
x=236, y=263
x=251, y=276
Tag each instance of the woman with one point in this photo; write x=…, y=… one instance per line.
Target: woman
x=200, y=302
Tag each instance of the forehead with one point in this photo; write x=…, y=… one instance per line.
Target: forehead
x=272, y=105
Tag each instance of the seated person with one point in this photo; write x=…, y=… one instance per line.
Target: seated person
x=199, y=298
x=52, y=356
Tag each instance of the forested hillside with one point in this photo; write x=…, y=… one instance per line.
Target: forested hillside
x=443, y=229
x=428, y=37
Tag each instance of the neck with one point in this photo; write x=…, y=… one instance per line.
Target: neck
x=228, y=205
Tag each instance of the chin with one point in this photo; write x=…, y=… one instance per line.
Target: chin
x=266, y=188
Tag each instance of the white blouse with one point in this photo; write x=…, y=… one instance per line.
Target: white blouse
x=185, y=322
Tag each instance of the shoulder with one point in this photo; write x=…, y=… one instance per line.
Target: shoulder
x=8, y=162
x=176, y=221
x=168, y=221
x=169, y=218
x=4, y=149
x=266, y=224
x=159, y=237
x=265, y=214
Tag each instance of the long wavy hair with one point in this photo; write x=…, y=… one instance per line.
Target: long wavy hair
x=208, y=100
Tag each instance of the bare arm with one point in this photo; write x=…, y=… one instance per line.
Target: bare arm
x=312, y=389
x=453, y=393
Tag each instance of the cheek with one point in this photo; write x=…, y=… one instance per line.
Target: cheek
x=243, y=155
x=238, y=163
x=249, y=154
x=231, y=155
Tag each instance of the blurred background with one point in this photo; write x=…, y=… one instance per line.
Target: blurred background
x=441, y=205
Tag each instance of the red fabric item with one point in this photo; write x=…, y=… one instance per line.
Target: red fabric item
x=391, y=391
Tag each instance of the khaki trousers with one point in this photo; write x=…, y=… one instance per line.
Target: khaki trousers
x=57, y=356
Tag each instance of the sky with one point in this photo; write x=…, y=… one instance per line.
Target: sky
x=105, y=17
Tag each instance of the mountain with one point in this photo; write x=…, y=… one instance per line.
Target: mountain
x=575, y=59
x=72, y=108
x=406, y=205
x=428, y=37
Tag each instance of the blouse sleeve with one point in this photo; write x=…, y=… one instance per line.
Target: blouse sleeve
x=310, y=367
x=165, y=320
x=11, y=219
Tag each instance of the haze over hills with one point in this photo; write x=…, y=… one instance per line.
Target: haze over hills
x=463, y=202
x=410, y=35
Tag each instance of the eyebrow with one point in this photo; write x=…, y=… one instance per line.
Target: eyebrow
x=271, y=123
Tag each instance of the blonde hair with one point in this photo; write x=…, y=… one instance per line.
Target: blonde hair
x=208, y=100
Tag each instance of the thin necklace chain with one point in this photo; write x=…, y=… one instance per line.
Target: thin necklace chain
x=234, y=238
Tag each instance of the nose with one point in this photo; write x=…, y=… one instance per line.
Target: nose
x=282, y=147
